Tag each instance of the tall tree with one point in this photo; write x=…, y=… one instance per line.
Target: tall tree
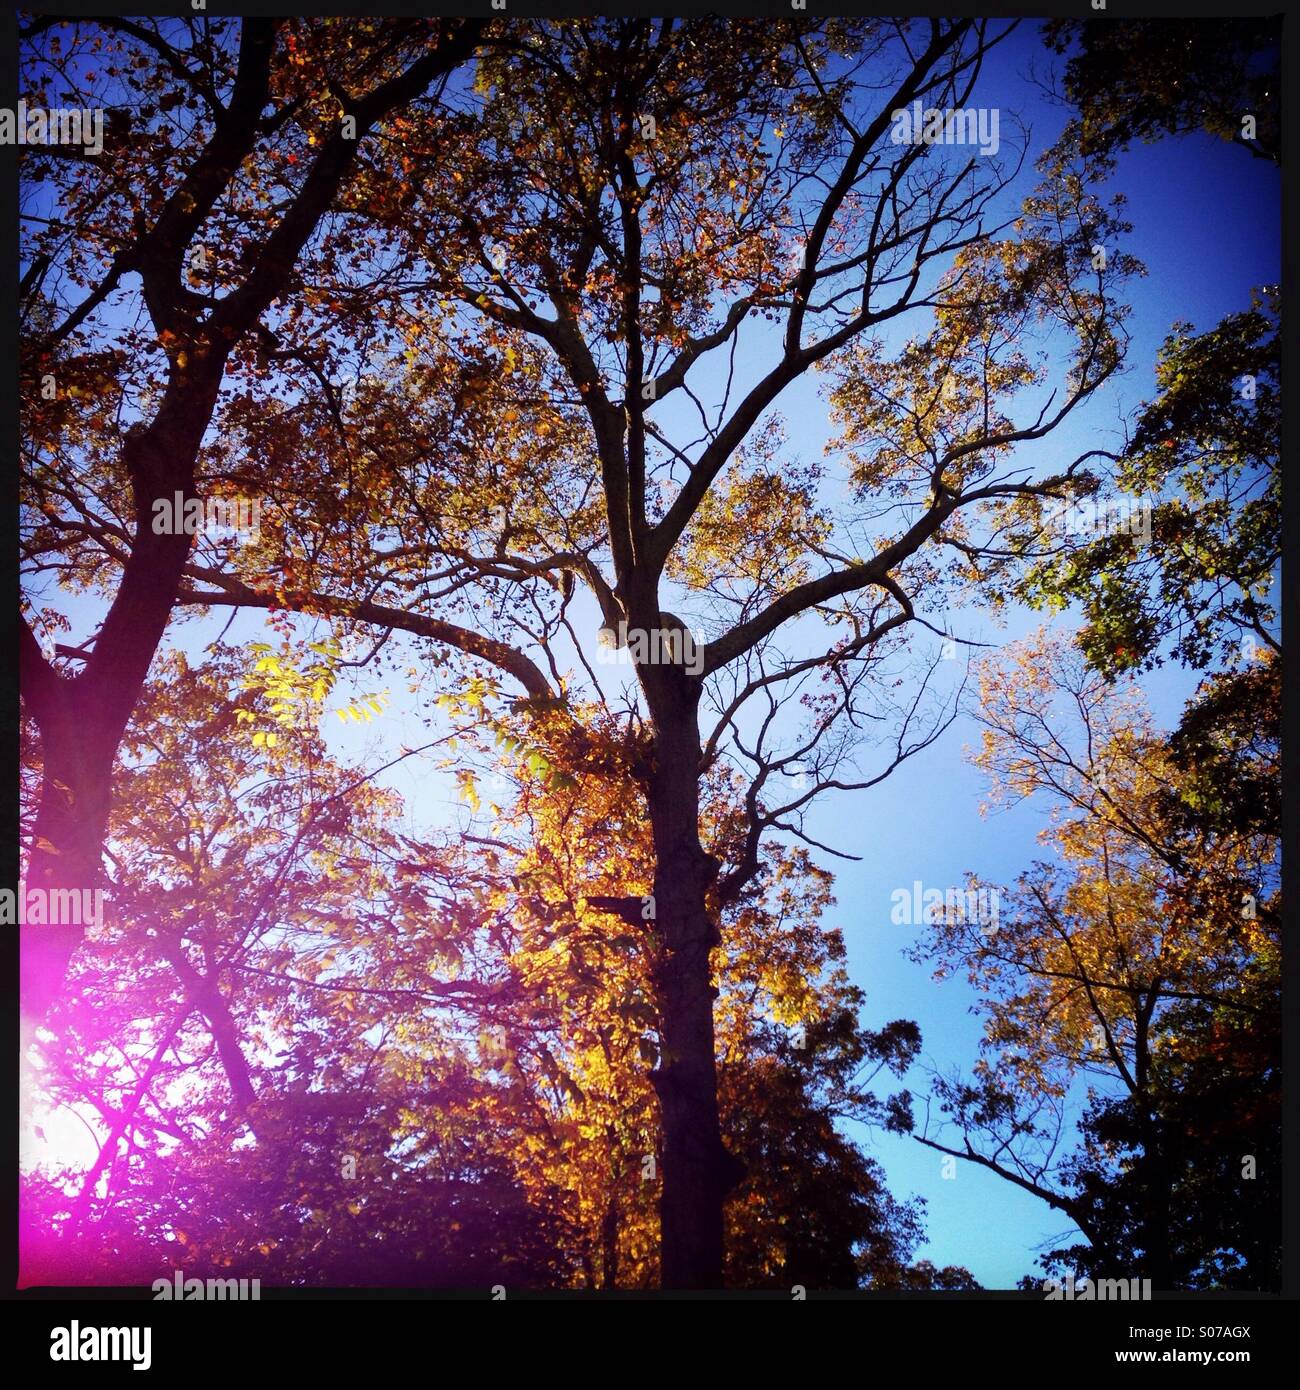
x=1142, y=961
x=245, y=134
x=642, y=205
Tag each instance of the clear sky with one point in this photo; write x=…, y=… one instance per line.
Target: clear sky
x=1206, y=224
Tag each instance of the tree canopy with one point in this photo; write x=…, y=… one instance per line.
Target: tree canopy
x=453, y=791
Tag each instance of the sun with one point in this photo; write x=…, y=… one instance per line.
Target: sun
x=54, y=1137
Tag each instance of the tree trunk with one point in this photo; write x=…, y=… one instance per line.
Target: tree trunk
x=1157, y=1198
x=609, y=1245
x=69, y=829
x=698, y=1172
x=1157, y=1235
x=81, y=720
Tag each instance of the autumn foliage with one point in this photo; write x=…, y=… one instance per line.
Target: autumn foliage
x=455, y=942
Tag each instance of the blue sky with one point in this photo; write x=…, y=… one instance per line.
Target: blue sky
x=1206, y=223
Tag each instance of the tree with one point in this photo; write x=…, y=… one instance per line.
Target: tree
x=1205, y=454
x=189, y=206
x=1215, y=1103
x=1204, y=458
x=1142, y=79
x=436, y=1049
x=1145, y=960
x=638, y=202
